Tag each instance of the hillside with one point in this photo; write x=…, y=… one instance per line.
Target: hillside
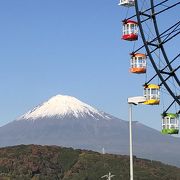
x=52, y=162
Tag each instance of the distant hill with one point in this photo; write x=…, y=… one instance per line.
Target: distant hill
x=34, y=162
x=66, y=121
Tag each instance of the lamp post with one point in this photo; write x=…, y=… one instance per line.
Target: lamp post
x=132, y=101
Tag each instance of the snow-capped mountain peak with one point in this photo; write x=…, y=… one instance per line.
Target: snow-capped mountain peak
x=61, y=105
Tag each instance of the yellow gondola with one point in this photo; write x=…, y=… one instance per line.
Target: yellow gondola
x=152, y=94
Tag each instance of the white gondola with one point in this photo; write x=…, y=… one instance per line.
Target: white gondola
x=126, y=3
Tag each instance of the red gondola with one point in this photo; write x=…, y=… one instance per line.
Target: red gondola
x=130, y=30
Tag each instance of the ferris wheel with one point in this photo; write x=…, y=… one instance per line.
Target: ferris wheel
x=154, y=28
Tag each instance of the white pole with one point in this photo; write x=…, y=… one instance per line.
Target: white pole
x=130, y=141
x=132, y=100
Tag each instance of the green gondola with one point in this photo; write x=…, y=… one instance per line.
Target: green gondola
x=170, y=123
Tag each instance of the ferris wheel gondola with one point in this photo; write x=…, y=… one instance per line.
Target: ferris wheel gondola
x=126, y=3
x=170, y=123
x=130, y=30
x=152, y=94
x=138, y=63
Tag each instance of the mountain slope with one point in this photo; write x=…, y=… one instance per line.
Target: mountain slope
x=68, y=122
x=52, y=162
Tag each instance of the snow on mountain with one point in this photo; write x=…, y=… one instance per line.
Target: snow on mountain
x=61, y=105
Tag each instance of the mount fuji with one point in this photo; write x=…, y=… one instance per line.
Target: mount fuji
x=61, y=107
x=66, y=121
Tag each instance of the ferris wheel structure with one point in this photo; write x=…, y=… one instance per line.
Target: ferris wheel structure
x=158, y=24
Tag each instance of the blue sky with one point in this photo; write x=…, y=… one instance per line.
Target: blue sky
x=67, y=47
